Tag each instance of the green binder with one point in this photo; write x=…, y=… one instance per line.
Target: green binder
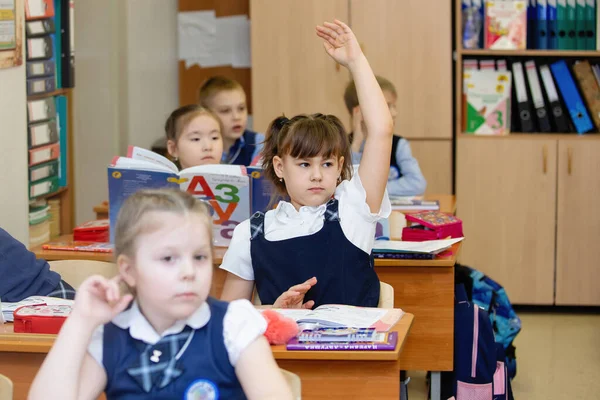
x=580, y=25
x=590, y=25
x=571, y=25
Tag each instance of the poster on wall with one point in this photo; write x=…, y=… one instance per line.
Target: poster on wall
x=11, y=33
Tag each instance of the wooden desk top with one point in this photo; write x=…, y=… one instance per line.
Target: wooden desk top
x=219, y=252
x=38, y=343
x=447, y=203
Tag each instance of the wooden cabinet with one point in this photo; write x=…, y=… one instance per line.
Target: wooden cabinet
x=411, y=45
x=578, y=222
x=435, y=161
x=291, y=72
x=506, y=196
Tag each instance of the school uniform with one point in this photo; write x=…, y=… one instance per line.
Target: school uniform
x=194, y=358
x=405, y=177
x=245, y=150
x=23, y=275
x=333, y=242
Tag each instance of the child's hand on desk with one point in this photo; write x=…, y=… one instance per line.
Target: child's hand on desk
x=98, y=300
x=340, y=42
x=294, y=296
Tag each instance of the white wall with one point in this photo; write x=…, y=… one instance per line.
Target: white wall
x=14, y=204
x=126, y=85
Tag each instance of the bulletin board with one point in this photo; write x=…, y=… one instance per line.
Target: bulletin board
x=11, y=33
x=190, y=78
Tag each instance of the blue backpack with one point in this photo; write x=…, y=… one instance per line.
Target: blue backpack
x=479, y=371
x=491, y=297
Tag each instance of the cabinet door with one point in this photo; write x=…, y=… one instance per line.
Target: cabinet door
x=506, y=197
x=435, y=161
x=578, y=225
x=291, y=72
x=410, y=44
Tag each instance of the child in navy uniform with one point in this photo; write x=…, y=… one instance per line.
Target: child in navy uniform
x=173, y=341
x=316, y=248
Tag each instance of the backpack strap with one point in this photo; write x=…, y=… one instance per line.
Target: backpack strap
x=257, y=225
x=331, y=213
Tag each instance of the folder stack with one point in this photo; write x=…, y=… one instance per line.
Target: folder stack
x=39, y=223
x=54, y=218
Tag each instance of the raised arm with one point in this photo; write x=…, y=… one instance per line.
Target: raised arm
x=341, y=44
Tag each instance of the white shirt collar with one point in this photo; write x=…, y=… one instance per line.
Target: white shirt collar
x=286, y=212
x=140, y=328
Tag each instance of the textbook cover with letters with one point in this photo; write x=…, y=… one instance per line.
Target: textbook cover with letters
x=224, y=187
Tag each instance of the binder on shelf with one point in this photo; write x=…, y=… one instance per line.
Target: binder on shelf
x=38, y=9
x=573, y=102
x=40, y=110
x=531, y=23
x=552, y=23
x=541, y=37
x=571, y=25
x=40, y=48
x=487, y=65
x=57, y=43
x=42, y=133
x=42, y=171
x=67, y=43
x=40, y=85
x=44, y=154
x=559, y=115
x=580, y=25
x=589, y=88
x=39, y=28
x=43, y=187
x=541, y=113
x=61, y=113
x=562, y=23
x=37, y=69
x=523, y=106
x=590, y=25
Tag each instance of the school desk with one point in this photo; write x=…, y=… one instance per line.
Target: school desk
x=324, y=374
x=447, y=205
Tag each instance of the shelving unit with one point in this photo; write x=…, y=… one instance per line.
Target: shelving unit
x=528, y=201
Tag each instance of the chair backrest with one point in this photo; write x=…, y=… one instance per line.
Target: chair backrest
x=295, y=384
x=74, y=272
x=386, y=296
x=6, y=388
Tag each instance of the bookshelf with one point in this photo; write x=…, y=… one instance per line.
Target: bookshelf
x=60, y=198
x=528, y=201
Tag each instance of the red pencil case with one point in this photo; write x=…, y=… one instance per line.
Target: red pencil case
x=431, y=225
x=40, y=318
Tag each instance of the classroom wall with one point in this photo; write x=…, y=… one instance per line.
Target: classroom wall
x=13, y=150
x=126, y=85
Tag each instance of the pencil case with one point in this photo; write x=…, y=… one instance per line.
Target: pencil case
x=40, y=318
x=431, y=225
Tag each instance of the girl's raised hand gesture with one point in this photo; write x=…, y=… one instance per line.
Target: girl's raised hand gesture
x=98, y=300
x=340, y=42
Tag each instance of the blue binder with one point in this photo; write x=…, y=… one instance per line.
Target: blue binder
x=541, y=37
x=572, y=99
x=57, y=43
x=552, y=25
x=531, y=24
x=61, y=114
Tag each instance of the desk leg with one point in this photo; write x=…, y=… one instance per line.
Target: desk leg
x=436, y=385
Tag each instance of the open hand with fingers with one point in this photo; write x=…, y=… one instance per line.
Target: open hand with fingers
x=294, y=296
x=340, y=42
x=99, y=300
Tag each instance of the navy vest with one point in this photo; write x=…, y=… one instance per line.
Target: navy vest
x=241, y=154
x=205, y=364
x=345, y=273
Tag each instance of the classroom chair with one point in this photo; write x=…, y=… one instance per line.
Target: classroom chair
x=6, y=388
x=386, y=296
x=294, y=381
x=74, y=272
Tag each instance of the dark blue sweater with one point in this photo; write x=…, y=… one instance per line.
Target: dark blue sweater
x=21, y=274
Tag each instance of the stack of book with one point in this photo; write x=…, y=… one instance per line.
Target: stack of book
x=39, y=223
x=54, y=218
x=425, y=250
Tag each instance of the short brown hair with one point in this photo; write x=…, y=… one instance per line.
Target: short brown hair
x=305, y=136
x=131, y=222
x=214, y=85
x=182, y=116
x=351, y=97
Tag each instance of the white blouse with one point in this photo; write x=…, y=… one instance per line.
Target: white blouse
x=241, y=326
x=285, y=222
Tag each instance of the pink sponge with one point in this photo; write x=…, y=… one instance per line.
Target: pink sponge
x=280, y=329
